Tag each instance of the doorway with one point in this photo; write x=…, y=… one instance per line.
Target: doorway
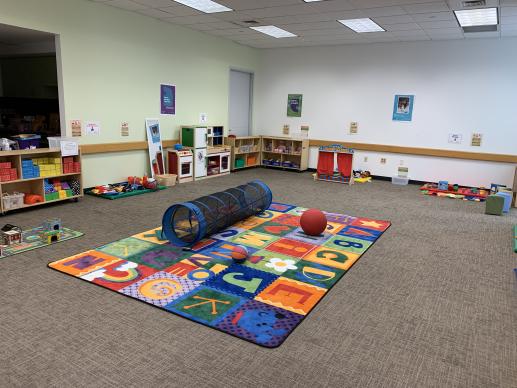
x=240, y=103
x=30, y=103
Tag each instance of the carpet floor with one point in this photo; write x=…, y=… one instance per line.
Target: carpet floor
x=432, y=304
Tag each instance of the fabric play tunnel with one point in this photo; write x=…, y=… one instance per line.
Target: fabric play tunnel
x=186, y=223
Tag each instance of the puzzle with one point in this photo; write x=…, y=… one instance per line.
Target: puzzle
x=263, y=300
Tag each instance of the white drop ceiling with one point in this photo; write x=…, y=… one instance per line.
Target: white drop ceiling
x=315, y=23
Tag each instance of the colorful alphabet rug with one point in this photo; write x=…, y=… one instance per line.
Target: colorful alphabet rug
x=287, y=272
x=33, y=239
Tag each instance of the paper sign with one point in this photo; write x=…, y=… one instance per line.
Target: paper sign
x=203, y=118
x=353, y=127
x=69, y=148
x=455, y=138
x=77, y=128
x=476, y=139
x=92, y=128
x=124, y=128
x=285, y=130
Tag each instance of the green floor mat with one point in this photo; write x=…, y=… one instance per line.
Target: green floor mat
x=124, y=195
x=32, y=240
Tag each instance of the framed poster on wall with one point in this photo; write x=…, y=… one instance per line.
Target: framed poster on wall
x=167, y=99
x=403, y=107
x=154, y=140
x=294, y=105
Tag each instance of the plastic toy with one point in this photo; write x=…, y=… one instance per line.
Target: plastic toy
x=51, y=231
x=313, y=222
x=31, y=199
x=186, y=223
x=11, y=234
x=443, y=185
x=240, y=254
x=494, y=205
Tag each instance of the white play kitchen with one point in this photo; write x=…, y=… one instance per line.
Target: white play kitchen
x=211, y=156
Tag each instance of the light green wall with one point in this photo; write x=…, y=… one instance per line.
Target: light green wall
x=113, y=62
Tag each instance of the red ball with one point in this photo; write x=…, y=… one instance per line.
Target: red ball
x=313, y=222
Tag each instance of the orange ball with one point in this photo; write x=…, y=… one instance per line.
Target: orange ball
x=239, y=254
x=313, y=222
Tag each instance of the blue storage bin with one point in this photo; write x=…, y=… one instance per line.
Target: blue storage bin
x=507, y=200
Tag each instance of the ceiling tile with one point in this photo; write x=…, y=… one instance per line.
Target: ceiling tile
x=432, y=16
x=387, y=20
x=410, y=33
x=331, y=5
x=181, y=10
x=478, y=35
x=508, y=11
x=509, y=20
x=256, y=4
x=154, y=13
x=439, y=24
x=192, y=19
x=402, y=27
x=286, y=10
x=156, y=3
x=126, y=4
x=437, y=6
x=383, y=11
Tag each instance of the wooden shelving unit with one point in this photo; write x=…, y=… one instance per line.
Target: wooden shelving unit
x=285, y=153
x=246, y=151
x=34, y=185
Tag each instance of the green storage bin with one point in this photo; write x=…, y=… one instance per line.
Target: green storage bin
x=239, y=163
x=494, y=205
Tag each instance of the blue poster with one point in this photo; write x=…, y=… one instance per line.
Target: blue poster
x=403, y=107
x=168, y=99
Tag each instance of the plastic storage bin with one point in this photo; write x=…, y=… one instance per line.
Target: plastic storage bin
x=27, y=141
x=12, y=201
x=399, y=180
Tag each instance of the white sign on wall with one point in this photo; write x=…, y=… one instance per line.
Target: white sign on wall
x=455, y=138
x=92, y=128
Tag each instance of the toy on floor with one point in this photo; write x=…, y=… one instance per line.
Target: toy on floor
x=133, y=184
x=186, y=223
x=11, y=234
x=313, y=222
x=240, y=254
x=362, y=176
x=455, y=191
x=494, y=205
x=51, y=231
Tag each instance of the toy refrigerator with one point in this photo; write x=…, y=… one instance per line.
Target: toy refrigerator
x=196, y=138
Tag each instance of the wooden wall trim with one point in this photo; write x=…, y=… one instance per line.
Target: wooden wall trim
x=420, y=151
x=88, y=149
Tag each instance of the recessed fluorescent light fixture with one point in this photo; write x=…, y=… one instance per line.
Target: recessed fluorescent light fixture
x=206, y=6
x=274, y=31
x=477, y=17
x=362, y=25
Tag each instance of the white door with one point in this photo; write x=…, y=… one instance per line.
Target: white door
x=241, y=89
x=200, y=162
x=200, y=137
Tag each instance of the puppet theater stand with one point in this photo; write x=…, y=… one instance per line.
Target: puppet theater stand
x=186, y=223
x=335, y=155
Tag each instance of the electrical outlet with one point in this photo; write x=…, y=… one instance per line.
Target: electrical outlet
x=383, y=160
x=365, y=159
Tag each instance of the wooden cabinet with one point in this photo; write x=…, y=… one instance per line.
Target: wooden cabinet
x=245, y=151
x=28, y=170
x=285, y=152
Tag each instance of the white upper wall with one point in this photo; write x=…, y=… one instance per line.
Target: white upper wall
x=459, y=87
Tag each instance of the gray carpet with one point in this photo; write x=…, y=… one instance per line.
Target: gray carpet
x=431, y=304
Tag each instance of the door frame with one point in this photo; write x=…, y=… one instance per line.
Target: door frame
x=252, y=93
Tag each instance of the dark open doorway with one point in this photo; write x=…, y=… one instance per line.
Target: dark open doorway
x=29, y=93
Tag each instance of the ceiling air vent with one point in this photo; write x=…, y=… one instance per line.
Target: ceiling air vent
x=480, y=29
x=473, y=3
